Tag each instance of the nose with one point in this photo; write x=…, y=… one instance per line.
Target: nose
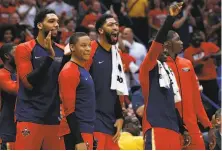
x=56, y=25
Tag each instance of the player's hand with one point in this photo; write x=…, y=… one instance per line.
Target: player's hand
x=212, y=139
x=175, y=9
x=187, y=139
x=81, y=146
x=118, y=125
x=48, y=45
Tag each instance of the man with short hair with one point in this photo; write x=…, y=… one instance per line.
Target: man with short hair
x=162, y=124
x=77, y=93
x=191, y=108
x=38, y=104
x=8, y=93
x=109, y=118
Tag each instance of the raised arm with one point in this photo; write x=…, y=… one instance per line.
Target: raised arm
x=157, y=46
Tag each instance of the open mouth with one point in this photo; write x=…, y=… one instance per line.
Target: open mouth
x=114, y=36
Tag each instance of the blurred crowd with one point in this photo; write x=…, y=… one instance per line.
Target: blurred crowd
x=142, y=16
x=139, y=22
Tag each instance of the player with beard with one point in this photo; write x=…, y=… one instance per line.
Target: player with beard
x=8, y=92
x=38, y=104
x=108, y=109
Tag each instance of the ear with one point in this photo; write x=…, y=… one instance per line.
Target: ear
x=217, y=120
x=6, y=56
x=101, y=30
x=72, y=48
x=39, y=25
x=168, y=44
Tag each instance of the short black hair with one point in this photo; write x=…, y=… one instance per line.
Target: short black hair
x=40, y=16
x=170, y=34
x=75, y=37
x=101, y=21
x=5, y=49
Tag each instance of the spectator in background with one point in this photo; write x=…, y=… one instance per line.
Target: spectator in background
x=7, y=34
x=217, y=123
x=157, y=16
x=129, y=62
x=137, y=50
x=61, y=7
x=23, y=32
x=197, y=11
x=6, y=10
x=93, y=34
x=184, y=23
x=202, y=54
x=90, y=19
x=214, y=24
x=42, y=3
x=27, y=12
x=67, y=31
x=8, y=93
x=83, y=7
x=137, y=11
x=130, y=138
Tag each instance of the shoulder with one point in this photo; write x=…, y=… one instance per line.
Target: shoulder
x=69, y=70
x=139, y=46
x=28, y=46
x=185, y=62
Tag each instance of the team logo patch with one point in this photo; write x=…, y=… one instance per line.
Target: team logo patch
x=25, y=132
x=186, y=69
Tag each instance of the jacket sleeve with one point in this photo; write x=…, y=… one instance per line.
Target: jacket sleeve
x=198, y=105
x=28, y=76
x=68, y=82
x=8, y=85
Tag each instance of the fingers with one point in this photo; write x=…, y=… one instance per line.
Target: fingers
x=49, y=35
x=116, y=137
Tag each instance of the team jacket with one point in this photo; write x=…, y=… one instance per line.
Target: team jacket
x=8, y=92
x=191, y=107
x=108, y=107
x=39, y=102
x=159, y=102
x=77, y=93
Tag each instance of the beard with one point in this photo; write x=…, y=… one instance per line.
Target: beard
x=52, y=36
x=109, y=38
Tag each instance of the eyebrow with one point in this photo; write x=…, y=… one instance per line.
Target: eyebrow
x=114, y=22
